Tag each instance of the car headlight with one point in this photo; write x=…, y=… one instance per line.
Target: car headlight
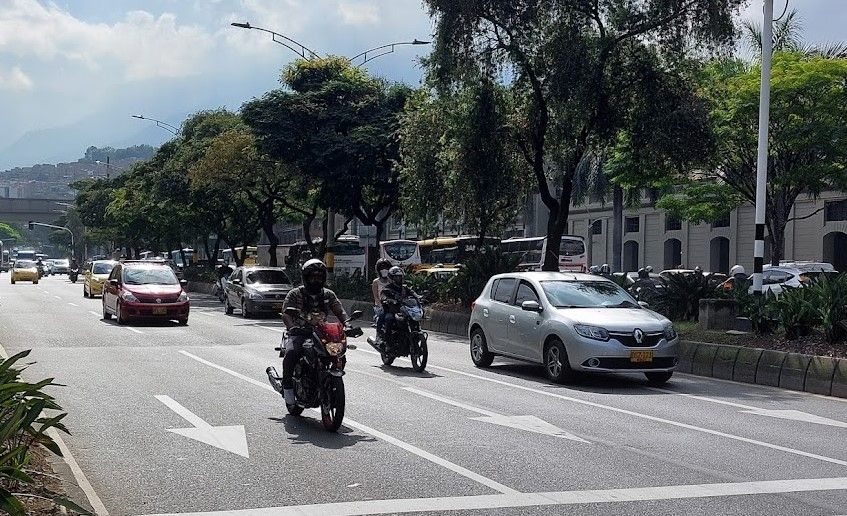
x=183, y=296
x=591, y=332
x=670, y=332
x=256, y=296
x=127, y=296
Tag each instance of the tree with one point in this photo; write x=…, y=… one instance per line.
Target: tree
x=458, y=159
x=574, y=63
x=807, y=153
x=9, y=232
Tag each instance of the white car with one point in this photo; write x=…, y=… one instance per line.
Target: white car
x=776, y=277
x=570, y=322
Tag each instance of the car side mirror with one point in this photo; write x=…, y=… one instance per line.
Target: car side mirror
x=531, y=306
x=644, y=304
x=183, y=282
x=236, y=281
x=113, y=282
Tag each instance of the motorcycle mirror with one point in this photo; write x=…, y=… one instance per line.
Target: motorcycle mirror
x=352, y=346
x=357, y=314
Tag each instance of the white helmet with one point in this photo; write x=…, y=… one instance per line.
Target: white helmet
x=737, y=269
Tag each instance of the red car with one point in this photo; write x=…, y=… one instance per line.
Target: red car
x=144, y=290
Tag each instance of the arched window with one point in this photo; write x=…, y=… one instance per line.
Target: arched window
x=835, y=250
x=719, y=255
x=673, y=253
x=630, y=256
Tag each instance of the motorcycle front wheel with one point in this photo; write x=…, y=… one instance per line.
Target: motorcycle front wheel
x=387, y=359
x=294, y=410
x=332, y=409
x=419, y=355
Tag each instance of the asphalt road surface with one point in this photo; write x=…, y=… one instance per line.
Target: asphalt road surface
x=174, y=420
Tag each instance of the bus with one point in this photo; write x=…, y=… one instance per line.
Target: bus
x=347, y=255
x=403, y=253
x=531, y=250
x=449, y=251
x=25, y=255
x=250, y=258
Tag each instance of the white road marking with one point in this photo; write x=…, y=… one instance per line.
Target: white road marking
x=73, y=304
x=775, y=390
x=210, y=314
x=58, y=297
x=376, y=433
x=229, y=438
x=526, y=423
x=558, y=498
x=92, y=312
x=639, y=415
x=134, y=330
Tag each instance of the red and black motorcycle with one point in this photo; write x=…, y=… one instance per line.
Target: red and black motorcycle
x=318, y=374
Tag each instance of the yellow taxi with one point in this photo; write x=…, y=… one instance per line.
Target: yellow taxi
x=25, y=270
x=96, y=274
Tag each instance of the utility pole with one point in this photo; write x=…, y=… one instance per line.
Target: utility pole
x=762, y=161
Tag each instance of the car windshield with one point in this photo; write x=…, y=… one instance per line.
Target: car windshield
x=150, y=276
x=400, y=250
x=587, y=294
x=24, y=264
x=102, y=268
x=267, y=277
x=61, y=263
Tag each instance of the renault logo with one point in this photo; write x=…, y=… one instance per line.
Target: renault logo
x=159, y=300
x=638, y=335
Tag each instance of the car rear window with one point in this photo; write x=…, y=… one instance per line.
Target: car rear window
x=102, y=268
x=503, y=290
x=24, y=264
x=267, y=277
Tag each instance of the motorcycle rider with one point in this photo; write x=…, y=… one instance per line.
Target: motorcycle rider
x=314, y=302
x=606, y=271
x=392, y=297
x=644, y=287
x=379, y=283
x=737, y=278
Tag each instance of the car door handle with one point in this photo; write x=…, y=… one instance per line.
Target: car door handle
x=512, y=319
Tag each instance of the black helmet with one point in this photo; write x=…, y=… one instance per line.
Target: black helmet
x=383, y=263
x=396, y=274
x=314, y=275
x=642, y=273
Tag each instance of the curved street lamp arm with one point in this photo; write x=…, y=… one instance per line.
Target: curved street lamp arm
x=383, y=50
x=164, y=125
x=299, y=48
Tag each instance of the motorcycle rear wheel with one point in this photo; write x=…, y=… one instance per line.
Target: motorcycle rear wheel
x=332, y=412
x=419, y=356
x=387, y=359
x=294, y=410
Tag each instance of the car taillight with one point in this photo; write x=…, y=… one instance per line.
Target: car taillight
x=805, y=279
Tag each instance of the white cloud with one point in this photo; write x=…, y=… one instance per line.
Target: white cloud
x=143, y=45
x=358, y=13
x=15, y=80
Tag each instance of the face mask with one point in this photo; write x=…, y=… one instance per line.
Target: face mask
x=383, y=273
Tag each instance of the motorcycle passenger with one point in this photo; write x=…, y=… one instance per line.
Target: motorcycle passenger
x=392, y=297
x=315, y=302
x=737, y=278
x=379, y=283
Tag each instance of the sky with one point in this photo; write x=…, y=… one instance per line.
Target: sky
x=72, y=72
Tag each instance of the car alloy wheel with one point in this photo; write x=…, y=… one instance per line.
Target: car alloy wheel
x=480, y=355
x=556, y=363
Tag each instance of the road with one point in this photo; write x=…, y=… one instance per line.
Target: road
x=456, y=439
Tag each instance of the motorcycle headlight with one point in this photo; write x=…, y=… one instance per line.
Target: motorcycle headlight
x=183, y=296
x=256, y=296
x=334, y=348
x=670, y=332
x=591, y=332
x=127, y=296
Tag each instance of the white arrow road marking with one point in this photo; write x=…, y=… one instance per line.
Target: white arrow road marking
x=230, y=438
x=73, y=304
x=527, y=423
x=796, y=415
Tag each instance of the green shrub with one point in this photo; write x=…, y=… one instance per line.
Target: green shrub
x=829, y=297
x=351, y=286
x=680, y=299
x=467, y=285
x=23, y=426
x=795, y=310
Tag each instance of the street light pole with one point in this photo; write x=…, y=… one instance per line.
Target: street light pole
x=762, y=161
x=383, y=50
x=73, y=247
x=164, y=125
x=298, y=48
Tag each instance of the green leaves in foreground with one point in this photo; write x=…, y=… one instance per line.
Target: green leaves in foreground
x=23, y=426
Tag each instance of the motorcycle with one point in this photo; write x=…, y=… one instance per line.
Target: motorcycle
x=73, y=275
x=406, y=338
x=318, y=375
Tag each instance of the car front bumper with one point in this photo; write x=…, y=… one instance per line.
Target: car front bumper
x=24, y=276
x=613, y=357
x=163, y=311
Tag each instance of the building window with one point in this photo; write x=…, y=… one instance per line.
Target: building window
x=631, y=224
x=672, y=223
x=722, y=222
x=597, y=227
x=835, y=210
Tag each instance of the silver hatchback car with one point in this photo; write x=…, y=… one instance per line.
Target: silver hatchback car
x=570, y=322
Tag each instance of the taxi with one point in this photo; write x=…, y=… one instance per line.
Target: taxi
x=25, y=270
x=96, y=274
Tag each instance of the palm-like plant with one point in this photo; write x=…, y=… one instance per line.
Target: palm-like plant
x=787, y=30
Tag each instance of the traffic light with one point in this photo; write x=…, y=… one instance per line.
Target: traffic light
x=31, y=225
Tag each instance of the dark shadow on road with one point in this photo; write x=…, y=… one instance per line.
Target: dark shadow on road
x=627, y=383
x=308, y=430
x=405, y=372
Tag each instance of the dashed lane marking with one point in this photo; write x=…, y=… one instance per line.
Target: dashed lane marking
x=638, y=414
x=496, y=486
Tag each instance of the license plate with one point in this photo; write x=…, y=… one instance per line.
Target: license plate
x=160, y=311
x=640, y=356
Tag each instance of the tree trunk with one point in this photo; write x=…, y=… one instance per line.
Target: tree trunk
x=554, y=241
x=267, y=220
x=776, y=228
x=239, y=260
x=617, y=228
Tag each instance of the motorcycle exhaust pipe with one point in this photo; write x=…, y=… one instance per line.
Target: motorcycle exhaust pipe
x=274, y=378
x=372, y=342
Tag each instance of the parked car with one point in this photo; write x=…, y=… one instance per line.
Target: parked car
x=569, y=323
x=96, y=274
x=24, y=270
x=811, y=270
x=61, y=266
x=256, y=290
x=144, y=290
x=775, y=278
